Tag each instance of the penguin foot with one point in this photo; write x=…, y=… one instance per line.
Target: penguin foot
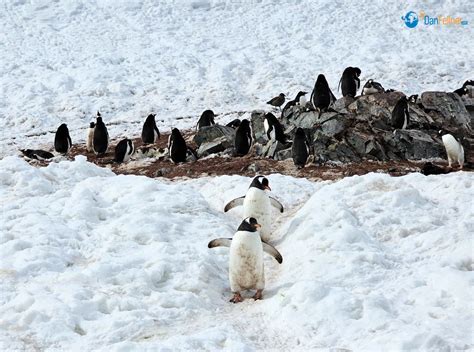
x=237, y=298
x=258, y=295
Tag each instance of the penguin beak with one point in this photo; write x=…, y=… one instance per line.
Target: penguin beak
x=267, y=187
x=257, y=226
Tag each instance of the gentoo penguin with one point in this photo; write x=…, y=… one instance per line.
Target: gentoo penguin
x=400, y=115
x=206, y=119
x=150, y=133
x=243, y=138
x=412, y=99
x=322, y=97
x=177, y=146
x=246, y=271
x=300, y=148
x=466, y=87
x=124, y=150
x=101, y=136
x=234, y=123
x=300, y=100
x=273, y=128
x=90, y=137
x=257, y=203
x=454, y=149
x=37, y=154
x=350, y=81
x=372, y=87
x=62, y=140
x=277, y=101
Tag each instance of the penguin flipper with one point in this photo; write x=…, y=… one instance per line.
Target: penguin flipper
x=234, y=203
x=270, y=250
x=220, y=242
x=276, y=204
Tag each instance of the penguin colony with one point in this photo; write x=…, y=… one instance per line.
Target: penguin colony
x=321, y=99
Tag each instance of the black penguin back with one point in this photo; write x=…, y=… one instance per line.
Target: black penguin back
x=206, y=119
x=101, y=137
x=400, y=113
x=149, y=131
x=243, y=138
x=300, y=149
x=321, y=97
x=276, y=125
x=177, y=147
x=62, y=140
x=121, y=150
x=350, y=81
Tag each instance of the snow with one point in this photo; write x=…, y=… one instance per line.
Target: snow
x=63, y=61
x=93, y=261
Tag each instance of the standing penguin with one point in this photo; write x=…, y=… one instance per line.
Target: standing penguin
x=150, y=133
x=62, y=140
x=454, y=149
x=243, y=138
x=246, y=271
x=350, y=81
x=322, y=96
x=101, y=136
x=277, y=101
x=206, y=119
x=300, y=98
x=90, y=137
x=300, y=149
x=124, y=150
x=257, y=203
x=177, y=146
x=400, y=115
x=372, y=87
x=273, y=128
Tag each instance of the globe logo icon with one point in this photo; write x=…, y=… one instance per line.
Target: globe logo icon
x=411, y=19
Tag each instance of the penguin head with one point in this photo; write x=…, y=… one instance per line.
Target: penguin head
x=413, y=98
x=260, y=184
x=469, y=82
x=249, y=224
x=321, y=82
x=244, y=123
x=175, y=132
x=282, y=95
x=300, y=94
x=98, y=114
x=99, y=119
x=151, y=116
x=91, y=124
x=299, y=132
x=270, y=117
x=356, y=71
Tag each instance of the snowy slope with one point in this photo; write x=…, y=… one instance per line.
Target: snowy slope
x=62, y=61
x=95, y=261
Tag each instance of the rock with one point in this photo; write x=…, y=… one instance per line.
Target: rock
x=271, y=148
x=216, y=146
x=340, y=105
x=256, y=124
x=163, y=171
x=283, y=154
x=450, y=106
x=412, y=144
x=210, y=133
x=374, y=102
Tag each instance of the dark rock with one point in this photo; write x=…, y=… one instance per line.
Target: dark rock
x=340, y=105
x=256, y=124
x=412, y=144
x=216, y=146
x=431, y=169
x=163, y=171
x=450, y=106
x=283, y=154
x=210, y=133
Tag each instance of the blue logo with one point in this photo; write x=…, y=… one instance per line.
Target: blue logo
x=411, y=19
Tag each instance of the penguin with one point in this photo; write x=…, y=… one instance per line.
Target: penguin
x=206, y=119
x=101, y=136
x=150, y=133
x=37, y=154
x=350, y=81
x=246, y=270
x=322, y=96
x=177, y=147
x=372, y=87
x=62, y=140
x=466, y=87
x=412, y=99
x=90, y=137
x=300, y=148
x=277, y=101
x=257, y=203
x=431, y=169
x=454, y=149
x=300, y=100
x=243, y=138
x=273, y=128
x=400, y=115
x=124, y=150
x=234, y=123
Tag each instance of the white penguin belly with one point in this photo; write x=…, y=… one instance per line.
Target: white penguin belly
x=257, y=205
x=454, y=149
x=368, y=91
x=246, y=262
x=90, y=138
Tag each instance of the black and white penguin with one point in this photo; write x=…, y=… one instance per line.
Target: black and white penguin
x=257, y=203
x=206, y=119
x=372, y=87
x=277, y=101
x=177, y=147
x=124, y=150
x=322, y=96
x=62, y=140
x=454, y=149
x=400, y=115
x=300, y=98
x=300, y=148
x=90, y=137
x=466, y=88
x=101, y=136
x=246, y=269
x=150, y=132
x=37, y=154
x=413, y=99
x=243, y=138
x=350, y=81
x=273, y=128
x=234, y=123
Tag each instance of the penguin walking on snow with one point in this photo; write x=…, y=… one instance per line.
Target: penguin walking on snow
x=300, y=149
x=322, y=96
x=150, y=133
x=246, y=270
x=243, y=138
x=206, y=119
x=62, y=140
x=90, y=137
x=454, y=149
x=350, y=81
x=101, y=136
x=400, y=115
x=277, y=101
x=372, y=87
x=257, y=203
x=177, y=146
x=124, y=150
x=273, y=128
